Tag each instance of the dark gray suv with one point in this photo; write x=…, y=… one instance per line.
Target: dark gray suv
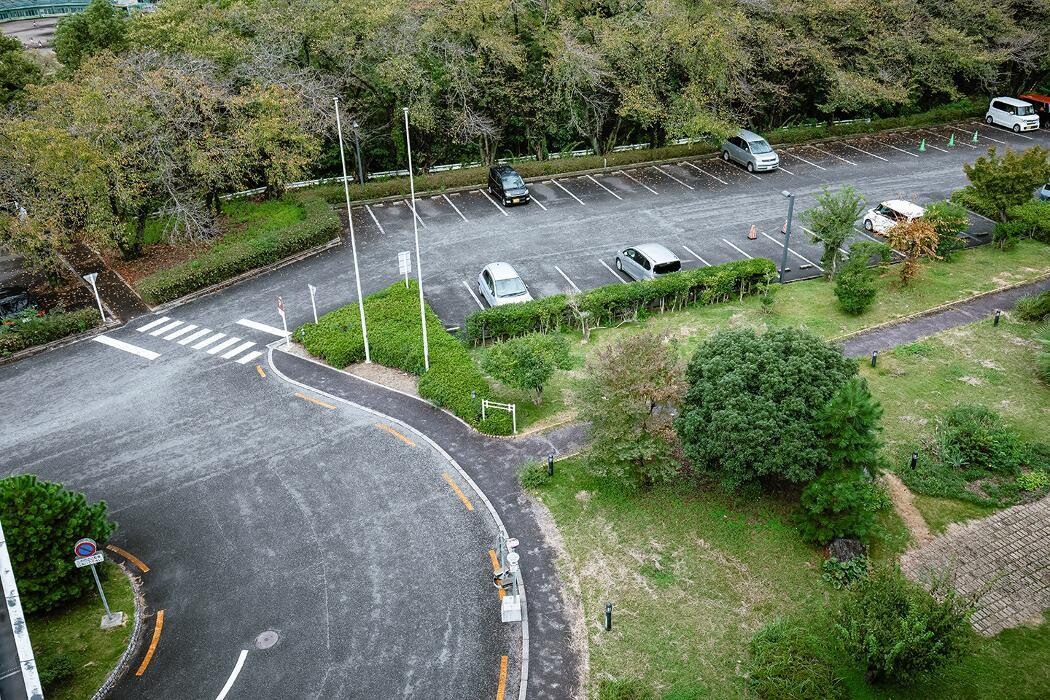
x=505, y=183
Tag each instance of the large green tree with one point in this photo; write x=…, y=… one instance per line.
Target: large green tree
x=832, y=222
x=99, y=27
x=998, y=183
x=17, y=70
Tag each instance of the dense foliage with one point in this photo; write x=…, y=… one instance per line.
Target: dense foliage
x=950, y=220
x=101, y=26
x=998, y=183
x=788, y=662
x=528, y=362
x=831, y=222
x=975, y=439
x=840, y=503
x=28, y=328
x=42, y=520
x=917, y=241
x=855, y=285
x=17, y=70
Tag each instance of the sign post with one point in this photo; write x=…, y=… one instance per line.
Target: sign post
x=404, y=265
x=88, y=555
x=90, y=279
x=284, y=321
x=313, y=303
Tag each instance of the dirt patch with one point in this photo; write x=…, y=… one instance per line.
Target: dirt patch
x=903, y=503
x=972, y=381
x=154, y=258
x=386, y=376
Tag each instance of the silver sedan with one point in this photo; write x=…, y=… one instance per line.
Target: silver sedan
x=500, y=284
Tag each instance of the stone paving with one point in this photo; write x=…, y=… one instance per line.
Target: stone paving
x=1006, y=554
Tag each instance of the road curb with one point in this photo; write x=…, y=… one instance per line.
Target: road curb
x=124, y=663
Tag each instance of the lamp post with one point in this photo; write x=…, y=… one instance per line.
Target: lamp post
x=787, y=233
x=357, y=149
x=353, y=243
x=415, y=231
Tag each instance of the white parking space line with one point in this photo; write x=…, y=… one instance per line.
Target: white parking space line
x=626, y=174
x=566, y=278
x=237, y=350
x=661, y=170
x=980, y=216
x=538, y=202
x=485, y=194
x=781, y=167
x=965, y=140
x=907, y=153
x=223, y=345
x=153, y=324
x=373, y=215
x=706, y=173
x=248, y=323
x=808, y=162
x=473, y=295
x=604, y=188
x=620, y=279
x=416, y=214
x=208, y=341
x=695, y=255
x=182, y=331
x=783, y=244
x=127, y=347
x=233, y=676
x=815, y=239
x=1005, y=131
x=942, y=136
x=249, y=357
x=190, y=338
x=555, y=182
x=749, y=257
x=983, y=136
x=164, y=329
x=454, y=207
x=829, y=153
x=861, y=150
x=930, y=145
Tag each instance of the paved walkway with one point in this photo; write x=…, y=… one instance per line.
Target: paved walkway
x=1007, y=555
x=117, y=296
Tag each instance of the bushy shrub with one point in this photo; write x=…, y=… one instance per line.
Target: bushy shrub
x=54, y=670
x=899, y=631
x=528, y=362
x=855, y=289
x=950, y=220
x=1036, y=480
x=625, y=689
x=974, y=440
x=42, y=520
x=1034, y=307
x=28, y=328
x=1005, y=235
x=533, y=475
x=1035, y=217
x=839, y=503
x=841, y=574
x=788, y=662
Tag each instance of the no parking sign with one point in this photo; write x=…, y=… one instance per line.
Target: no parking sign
x=85, y=547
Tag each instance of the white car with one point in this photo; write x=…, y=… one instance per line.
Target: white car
x=1012, y=113
x=500, y=284
x=882, y=218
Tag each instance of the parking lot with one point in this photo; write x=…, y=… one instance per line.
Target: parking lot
x=566, y=239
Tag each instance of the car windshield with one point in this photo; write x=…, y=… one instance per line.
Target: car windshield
x=664, y=268
x=512, y=182
x=760, y=146
x=510, y=288
x=1025, y=111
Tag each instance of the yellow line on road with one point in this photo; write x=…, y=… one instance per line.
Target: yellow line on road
x=501, y=689
x=396, y=434
x=495, y=568
x=462, y=496
x=153, y=644
x=259, y=369
x=135, y=561
x=304, y=397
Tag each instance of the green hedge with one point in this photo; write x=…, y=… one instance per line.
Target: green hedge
x=28, y=328
x=396, y=340
x=243, y=251
x=615, y=301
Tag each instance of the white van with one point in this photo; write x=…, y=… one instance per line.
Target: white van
x=887, y=214
x=1013, y=114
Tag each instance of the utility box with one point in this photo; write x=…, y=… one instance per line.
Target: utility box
x=510, y=608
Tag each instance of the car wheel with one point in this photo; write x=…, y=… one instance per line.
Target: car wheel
x=619, y=265
x=868, y=225
x=989, y=120
x=725, y=156
x=1017, y=128
x=750, y=167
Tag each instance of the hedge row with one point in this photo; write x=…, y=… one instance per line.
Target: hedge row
x=615, y=302
x=395, y=338
x=28, y=328
x=240, y=252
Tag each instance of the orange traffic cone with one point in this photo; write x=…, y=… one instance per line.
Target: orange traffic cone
x=752, y=233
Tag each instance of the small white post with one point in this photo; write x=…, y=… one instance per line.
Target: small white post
x=484, y=403
x=313, y=302
x=284, y=321
x=514, y=417
x=94, y=287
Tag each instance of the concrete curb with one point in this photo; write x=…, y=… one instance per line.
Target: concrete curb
x=60, y=343
x=524, y=676
x=133, y=646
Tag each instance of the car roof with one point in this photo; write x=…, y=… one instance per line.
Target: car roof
x=656, y=252
x=750, y=135
x=904, y=207
x=1012, y=101
x=501, y=271
x=504, y=168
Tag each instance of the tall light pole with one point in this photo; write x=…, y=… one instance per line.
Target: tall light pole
x=353, y=243
x=787, y=233
x=17, y=620
x=357, y=148
x=415, y=231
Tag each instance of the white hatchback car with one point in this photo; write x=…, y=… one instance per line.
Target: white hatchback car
x=882, y=218
x=500, y=284
x=1012, y=113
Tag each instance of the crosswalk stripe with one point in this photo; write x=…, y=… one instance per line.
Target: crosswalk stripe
x=153, y=324
x=209, y=341
x=164, y=329
x=223, y=345
x=181, y=331
x=237, y=350
x=248, y=323
x=249, y=357
x=190, y=338
x=127, y=347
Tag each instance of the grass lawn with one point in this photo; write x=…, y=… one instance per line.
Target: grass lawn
x=74, y=632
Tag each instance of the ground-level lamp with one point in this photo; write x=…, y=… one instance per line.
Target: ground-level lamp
x=787, y=233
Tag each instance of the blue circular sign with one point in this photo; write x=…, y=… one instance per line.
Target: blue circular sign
x=85, y=547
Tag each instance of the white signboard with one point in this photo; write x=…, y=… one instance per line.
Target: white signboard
x=81, y=562
x=404, y=263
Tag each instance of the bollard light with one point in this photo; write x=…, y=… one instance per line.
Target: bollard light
x=874, y=357
x=996, y=321
x=914, y=460
x=608, y=617
x=550, y=465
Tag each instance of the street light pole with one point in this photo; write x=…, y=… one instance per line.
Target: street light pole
x=787, y=233
x=357, y=148
x=353, y=242
x=415, y=231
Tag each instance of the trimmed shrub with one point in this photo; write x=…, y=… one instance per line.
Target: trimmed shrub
x=839, y=503
x=855, y=289
x=54, y=670
x=1006, y=235
x=1034, y=216
x=240, y=252
x=28, y=328
x=528, y=362
x=1034, y=308
x=788, y=662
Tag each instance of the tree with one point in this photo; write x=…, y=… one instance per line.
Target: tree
x=17, y=70
x=839, y=503
x=99, y=27
x=915, y=240
x=629, y=395
x=832, y=223
x=950, y=220
x=42, y=520
x=1000, y=182
x=752, y=412
x=528, y=362
x=850, y=425
x=855, y=286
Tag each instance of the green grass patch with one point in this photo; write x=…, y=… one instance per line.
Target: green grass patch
x=29, y=327
x=71, y=639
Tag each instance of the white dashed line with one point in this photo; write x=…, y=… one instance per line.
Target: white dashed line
x=165, y=328
x=781, y=167
x=861, y=150
x=237, y=350
x=706, y=173
x=473, y=295
x=695, y=255
x=223, y=345
x=190, y=338
x=620, y=279
x=566, y=191
x=416, y=214
x=808, y=162
x=930, y=145
x=373, y=215
x=783, y=244
x=182, y=331
x=566, y=278
x=604, y=188
x=249, y=357
x=485, y=194
x=749, y=257
x=661, y=170
x=626, y=174
x=205, y=343
x=127, y=347
x=829, y=153
x=907, y=153
x=454, y=207
x=153, y=324
x=248, y=323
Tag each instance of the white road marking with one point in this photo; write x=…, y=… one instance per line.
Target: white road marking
x=620, y=279
x=237, y=350
x=1005, y=131
x=783, y=244
x=208, y=341
x=983, y=136
x=233, y=676
x=373, y=215
x=967, y=137
x=930, y=145
x=190, y=338
x=473, y=295
x=485, y=194
x=416, y=214
x=781, y=167
x=604, y=188
x=861, y=150
x=661, y=170
x=907, y=153
x=566, y=278
x=566, y=191
x=706, y=173
x=182, y=331
x=153, y=324
x=454, y=207
x=626, y=174
x=695, y=255
x=980, y=216
x=165, y=328
x=127, y=347
x=223, y=345
x=248, y=323
x=538, y=202
x=829, y=153
x=749, y=257
x=249, y=357
x=808, y=162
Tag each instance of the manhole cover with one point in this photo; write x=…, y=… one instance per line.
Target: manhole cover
x=266, y=640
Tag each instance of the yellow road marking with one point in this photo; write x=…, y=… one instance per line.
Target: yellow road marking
x=396, y=434
x=135, y=561
x=501, y=689
x=462, y=496
x=153, y=644
x=304, y=397
x=259, y=369
x=495, y=568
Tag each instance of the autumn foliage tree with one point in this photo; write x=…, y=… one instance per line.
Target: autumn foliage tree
x=916, y=239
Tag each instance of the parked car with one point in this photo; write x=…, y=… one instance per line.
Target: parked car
x=13, y=300
x=505, y=183
x=1044, y=193
x=751, y=151
x=887, y=214
x=500, y=285
x=647, y=261
x=1041, y=104
x=1012, y=113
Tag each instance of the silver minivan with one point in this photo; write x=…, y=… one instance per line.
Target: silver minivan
x=647, y=261
x=751, y=151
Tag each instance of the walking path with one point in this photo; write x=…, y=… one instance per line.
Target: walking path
x=116, y=295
